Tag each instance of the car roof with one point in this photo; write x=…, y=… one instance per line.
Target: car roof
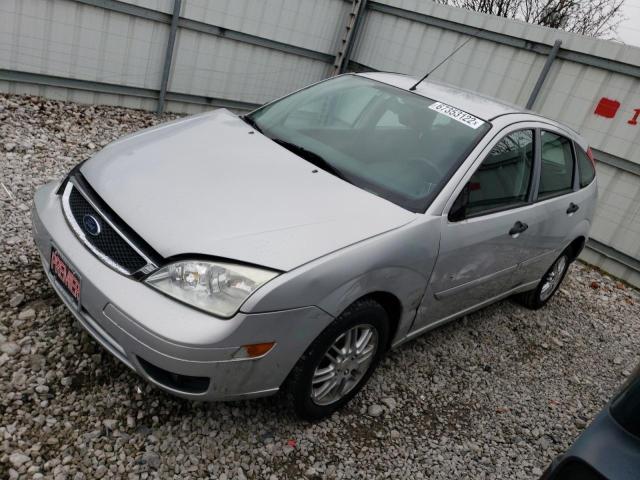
x=481, y=106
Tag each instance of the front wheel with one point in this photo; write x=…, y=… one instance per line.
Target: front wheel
x=549, y=284
x=340, y=361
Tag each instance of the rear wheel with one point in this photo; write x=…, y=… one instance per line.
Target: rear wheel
x=340, y=361
x=539, y=296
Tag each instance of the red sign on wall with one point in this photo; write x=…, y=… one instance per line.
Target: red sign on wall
x=607, y=108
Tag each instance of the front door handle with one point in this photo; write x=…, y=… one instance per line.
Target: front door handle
x=518, y=228
x=573, y=208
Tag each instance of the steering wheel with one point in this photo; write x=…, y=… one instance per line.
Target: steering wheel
x=426, y=168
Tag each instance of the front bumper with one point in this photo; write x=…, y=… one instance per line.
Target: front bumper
x=167, y=343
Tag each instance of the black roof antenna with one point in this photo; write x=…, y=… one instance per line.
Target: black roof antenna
x=473, y=35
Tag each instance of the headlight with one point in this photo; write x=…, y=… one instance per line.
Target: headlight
x=219, y=288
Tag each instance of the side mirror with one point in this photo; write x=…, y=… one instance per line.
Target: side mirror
x=458, y=210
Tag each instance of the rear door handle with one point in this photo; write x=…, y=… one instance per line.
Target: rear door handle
x=518, y=228
x=572, y=208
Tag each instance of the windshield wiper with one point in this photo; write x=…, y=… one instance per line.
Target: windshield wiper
x=251, y=122
x=311, y=157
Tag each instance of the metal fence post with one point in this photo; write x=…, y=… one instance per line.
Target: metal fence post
x=168, y=58
x=354, y=36
x=543, y=74
x=356, y=16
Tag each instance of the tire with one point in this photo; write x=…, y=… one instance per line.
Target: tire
x=308, y=399
x=538, y=297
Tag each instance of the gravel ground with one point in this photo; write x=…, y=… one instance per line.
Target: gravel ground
x=494, y=395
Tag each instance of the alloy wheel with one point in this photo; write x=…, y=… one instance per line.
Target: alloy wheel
x=553, y=278
x=344, y=364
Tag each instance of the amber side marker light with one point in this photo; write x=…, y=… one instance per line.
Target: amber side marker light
x=254, y=350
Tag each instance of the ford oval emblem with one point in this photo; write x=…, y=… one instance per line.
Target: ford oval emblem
x=91, y=225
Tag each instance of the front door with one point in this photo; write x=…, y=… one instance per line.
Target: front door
x=484, y=235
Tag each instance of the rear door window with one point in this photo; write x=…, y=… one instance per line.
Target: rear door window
x=585, y=168
x=556, y=172
x=504, y=178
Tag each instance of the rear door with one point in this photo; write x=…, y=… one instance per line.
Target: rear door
x=559, y=203
x=485, y=232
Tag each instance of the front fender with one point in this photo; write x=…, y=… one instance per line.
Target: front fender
x=397, y=262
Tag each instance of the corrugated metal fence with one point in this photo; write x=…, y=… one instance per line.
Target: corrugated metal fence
x=241, y=53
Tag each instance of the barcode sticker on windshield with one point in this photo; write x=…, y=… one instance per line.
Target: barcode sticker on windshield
x=458, y=115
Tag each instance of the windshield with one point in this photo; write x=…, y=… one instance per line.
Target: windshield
x=396, y=144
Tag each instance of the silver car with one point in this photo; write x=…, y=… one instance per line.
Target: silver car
x=228, y=257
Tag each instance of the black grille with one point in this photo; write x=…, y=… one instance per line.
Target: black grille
x=107, y=241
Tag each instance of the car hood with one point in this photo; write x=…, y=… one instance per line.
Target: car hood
x=210, y=184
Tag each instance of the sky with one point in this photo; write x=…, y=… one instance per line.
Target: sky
x=629, y=29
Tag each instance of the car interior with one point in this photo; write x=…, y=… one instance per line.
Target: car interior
x=372, y=127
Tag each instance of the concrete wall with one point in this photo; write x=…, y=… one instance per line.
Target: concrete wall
x=125, y=47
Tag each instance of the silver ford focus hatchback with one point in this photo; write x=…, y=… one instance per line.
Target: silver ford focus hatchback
x=228, y=257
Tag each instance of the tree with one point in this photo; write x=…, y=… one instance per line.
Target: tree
x=596, y=18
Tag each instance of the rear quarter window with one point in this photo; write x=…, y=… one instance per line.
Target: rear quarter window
x=585, y=168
